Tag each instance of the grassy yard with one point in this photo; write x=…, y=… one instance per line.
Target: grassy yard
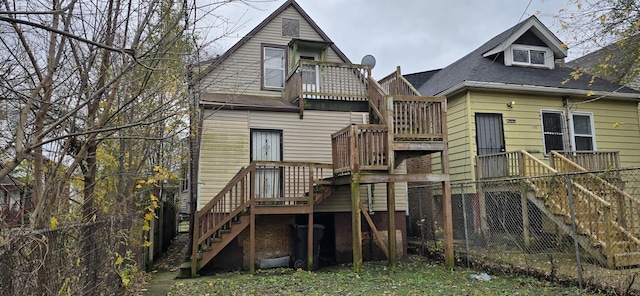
x=415, y=276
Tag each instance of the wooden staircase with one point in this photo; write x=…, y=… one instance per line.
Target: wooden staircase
x=403, y=124
x=607, y=218
x=225, y=216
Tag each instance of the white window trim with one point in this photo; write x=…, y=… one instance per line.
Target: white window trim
x=549, y=61
x=264, y=67
x=574, y=134
x=563, y=128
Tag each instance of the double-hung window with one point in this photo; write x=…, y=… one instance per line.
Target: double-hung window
x=273, y=67
x=582, y=130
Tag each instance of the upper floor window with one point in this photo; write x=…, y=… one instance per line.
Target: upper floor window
x=273, y=67
x=527, y=55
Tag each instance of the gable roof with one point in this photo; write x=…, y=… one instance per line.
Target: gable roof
x=480, y=70
x=262, y=24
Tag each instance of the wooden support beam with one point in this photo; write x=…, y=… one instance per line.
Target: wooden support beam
x=194, y=246
x=447, y=224
x=356, y=225
x=391, y=187
x=310, y=242
x=391, y=218
x=525, y=218
x=252, y=242
x=375, y=231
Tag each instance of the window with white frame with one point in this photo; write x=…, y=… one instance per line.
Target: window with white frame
x=552, y=130
x=583, y=138
x=273, y=67
x=528, y=55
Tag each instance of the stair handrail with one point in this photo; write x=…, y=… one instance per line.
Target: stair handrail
x=606, y=207
x=377, y=101
x=617, y=195
x=200, y=237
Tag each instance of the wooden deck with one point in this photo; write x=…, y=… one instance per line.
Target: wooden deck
x=403, y=124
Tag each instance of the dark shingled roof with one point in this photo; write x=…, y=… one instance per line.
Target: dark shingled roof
x=475, y=68
x=417, y=79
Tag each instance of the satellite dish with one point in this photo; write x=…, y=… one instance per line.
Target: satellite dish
x=369, y=60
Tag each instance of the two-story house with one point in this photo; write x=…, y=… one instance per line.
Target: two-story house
x=293, y=134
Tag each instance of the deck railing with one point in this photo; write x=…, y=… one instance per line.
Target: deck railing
x=419, y=118
x=316, y=80
x=360, y=147
x=592, y=160
x=259, y=184
x=396, y=84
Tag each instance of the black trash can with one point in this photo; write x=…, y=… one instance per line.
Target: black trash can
x=300, y=233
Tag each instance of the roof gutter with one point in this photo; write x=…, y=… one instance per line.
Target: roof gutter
x=535, y=88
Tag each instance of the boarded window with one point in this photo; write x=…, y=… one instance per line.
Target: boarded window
x=290, y=27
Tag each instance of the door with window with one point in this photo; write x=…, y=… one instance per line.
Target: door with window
x=490, y=140
x=266, y=145
x=310, y=73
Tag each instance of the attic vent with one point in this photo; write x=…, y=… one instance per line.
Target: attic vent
x=290, y=27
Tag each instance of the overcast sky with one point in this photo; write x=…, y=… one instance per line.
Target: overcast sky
x=417, y=35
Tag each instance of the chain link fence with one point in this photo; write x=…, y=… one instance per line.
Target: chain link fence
x=582, y=228
x=97, y=258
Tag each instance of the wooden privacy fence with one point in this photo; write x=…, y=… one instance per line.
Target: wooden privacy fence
x=360, y=147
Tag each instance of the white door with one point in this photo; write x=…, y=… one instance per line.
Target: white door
x=266, y=145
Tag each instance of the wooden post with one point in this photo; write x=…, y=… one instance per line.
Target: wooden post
x=252, y=242
x=447, y=224
x=194, y=244
x=356, y=228
x=252, y=222
x=310, y=247
x=391, y=217
x=482, y=201
x=446, y=193
x=525, y=219
x=391, y=192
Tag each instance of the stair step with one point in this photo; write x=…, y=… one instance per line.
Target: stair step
x=624, y=259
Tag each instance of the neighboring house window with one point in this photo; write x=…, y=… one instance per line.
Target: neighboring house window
x=527, y=55
x=582, y=130
x=290, y=27
x=552, y=130
x=273, y=67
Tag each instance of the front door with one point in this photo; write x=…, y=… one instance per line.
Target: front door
x=490, y=140
x=266, y=145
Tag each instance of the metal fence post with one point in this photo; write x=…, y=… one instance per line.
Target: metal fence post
x=574, y=232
